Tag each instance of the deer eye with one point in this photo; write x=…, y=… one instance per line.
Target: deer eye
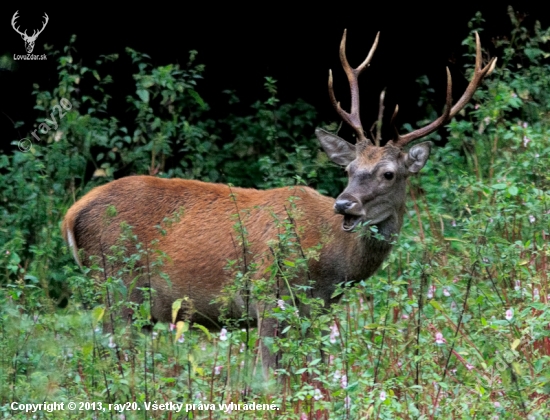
x=388, y=175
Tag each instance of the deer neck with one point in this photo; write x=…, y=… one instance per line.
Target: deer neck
x=366, y=249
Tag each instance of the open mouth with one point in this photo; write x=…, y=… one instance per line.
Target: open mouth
x=350, y=222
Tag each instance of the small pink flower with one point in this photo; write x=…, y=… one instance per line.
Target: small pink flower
x=399, y=363
x=497, y=404
x=331, y=359
x=431, y=291
x=172, y=327
x=453, y=223
x=334, y=333
x=218, y=370
x=405, y=316
x=469, y=366
x=453, y=306
x=514, y=95
x=317, y=395
x=112, y=343
x=532, y=218
x=476, y=106
x=446, y=292
x=223, y=334
x=439, y=338
x=7, y=252
x=524, y=125
x=344, y=382
x=526, y=141
x=337, y=375
x=181, y=339
x=361, y=304
x=347, y=402
x=281, y=304
x=382, y=395
x=303, y=416
x=509, y=314
x=517, y=285
x=242, y=349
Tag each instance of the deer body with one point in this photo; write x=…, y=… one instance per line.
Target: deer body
x=204, y=240
x=200, y=245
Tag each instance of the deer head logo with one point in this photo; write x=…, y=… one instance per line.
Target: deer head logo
x=29, y=40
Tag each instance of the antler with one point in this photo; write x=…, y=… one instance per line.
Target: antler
x=34, y=33
x=43, y=26
x=449, y=112
x=13, y=19
x=352, y=118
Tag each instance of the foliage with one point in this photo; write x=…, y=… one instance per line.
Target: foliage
x=454, y=325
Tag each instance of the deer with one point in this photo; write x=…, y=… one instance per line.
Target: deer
x=29, y=40
x=202, y=242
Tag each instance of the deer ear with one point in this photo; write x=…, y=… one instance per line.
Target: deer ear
x=337, y=149
x=417, y=156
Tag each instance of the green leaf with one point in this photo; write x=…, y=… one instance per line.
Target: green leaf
x=143, y=95
x=97, y=314
x=436, y=305
x=203, y=329
x=513, y=190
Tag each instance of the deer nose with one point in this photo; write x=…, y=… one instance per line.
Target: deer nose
x=341, y=206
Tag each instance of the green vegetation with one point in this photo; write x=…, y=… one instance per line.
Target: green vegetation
x=456, y=324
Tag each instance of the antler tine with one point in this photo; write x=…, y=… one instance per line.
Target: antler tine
x=352, y=118
x=451, y=111
x=38, y=32
x=401, y=141
x=45, y=22
x=479, y=74
x=13, y=19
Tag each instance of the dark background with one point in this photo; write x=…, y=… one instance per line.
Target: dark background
x=240, y=45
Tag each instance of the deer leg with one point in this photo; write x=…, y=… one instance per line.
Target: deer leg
x=267, y=330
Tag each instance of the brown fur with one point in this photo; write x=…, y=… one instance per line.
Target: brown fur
x=201, y=243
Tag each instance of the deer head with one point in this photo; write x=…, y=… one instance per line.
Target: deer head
x=377, y=175
x=29, y=40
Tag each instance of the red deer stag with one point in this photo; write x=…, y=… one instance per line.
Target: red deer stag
x=202, y=242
